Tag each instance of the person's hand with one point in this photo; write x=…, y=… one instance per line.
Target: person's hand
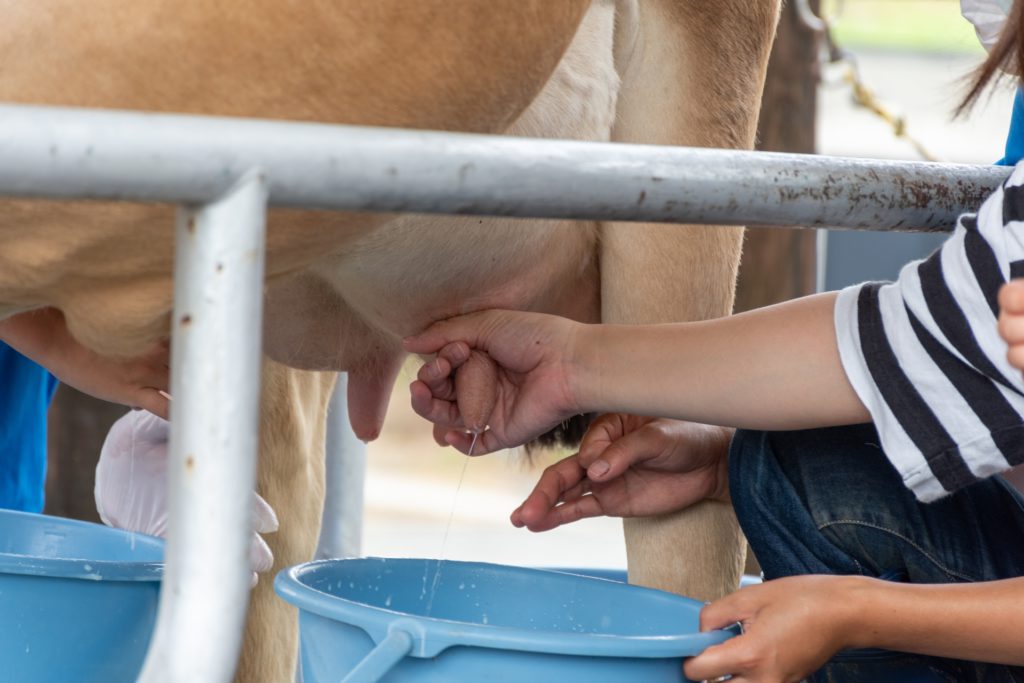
x=630, y=466
x=140, y=382
x=1011, y=321
x=791, y=627
x=528, y=392
x=131, y=485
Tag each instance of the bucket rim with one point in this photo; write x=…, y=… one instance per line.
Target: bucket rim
x=87, y=569
x=436, y=634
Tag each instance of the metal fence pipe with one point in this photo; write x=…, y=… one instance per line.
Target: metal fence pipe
x=48, y=152
x=341, y=525
x=212, y=468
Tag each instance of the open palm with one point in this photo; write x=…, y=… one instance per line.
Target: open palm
x=630, y=466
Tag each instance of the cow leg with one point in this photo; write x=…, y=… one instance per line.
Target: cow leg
x=692, y=74
x=290, y=476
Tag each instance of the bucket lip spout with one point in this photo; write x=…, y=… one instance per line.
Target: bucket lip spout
x=84, y=568
x=434, y=634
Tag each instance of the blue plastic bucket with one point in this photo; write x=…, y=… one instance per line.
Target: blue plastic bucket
x=877, y=666
x=78, y=601
x=622, y=576
x=398, y=620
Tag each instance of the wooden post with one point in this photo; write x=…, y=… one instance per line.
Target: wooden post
x=78, y=424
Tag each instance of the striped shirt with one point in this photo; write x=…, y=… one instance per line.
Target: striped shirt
x=925, y=357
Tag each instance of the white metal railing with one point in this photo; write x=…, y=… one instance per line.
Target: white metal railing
x=215, y=361
x=226, y=171
x=118, y=155
x=341, y=525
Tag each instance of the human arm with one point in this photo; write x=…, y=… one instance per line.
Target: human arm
x=920, y=357
x=793, y=625
x=136, y=382
x=773, y=368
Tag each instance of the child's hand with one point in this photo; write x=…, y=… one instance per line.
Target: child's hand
x=140, y=382
x=630, y=466
x=1011, y=321
x=529, y=391
x=133, y=382
x=792, y=626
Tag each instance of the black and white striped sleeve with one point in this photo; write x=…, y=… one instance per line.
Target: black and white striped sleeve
x=925, y=357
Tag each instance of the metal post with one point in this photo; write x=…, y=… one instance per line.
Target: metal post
x=341, y=527
x=215, y=382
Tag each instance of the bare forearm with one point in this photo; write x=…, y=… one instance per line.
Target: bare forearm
x=773, y=368
x=43, y=336
x=32, y=333
x=977, y=621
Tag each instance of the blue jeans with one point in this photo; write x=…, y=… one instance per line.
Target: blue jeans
x=827, y=501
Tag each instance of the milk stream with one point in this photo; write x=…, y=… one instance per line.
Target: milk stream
x=447, y=529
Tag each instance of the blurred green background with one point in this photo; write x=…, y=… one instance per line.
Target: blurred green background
x=913, y=25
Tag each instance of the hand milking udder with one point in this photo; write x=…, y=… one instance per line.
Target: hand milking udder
x=476, y=384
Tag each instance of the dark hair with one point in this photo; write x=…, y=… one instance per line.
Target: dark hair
x=1005, y=54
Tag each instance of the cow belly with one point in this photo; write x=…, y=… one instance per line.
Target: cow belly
x=418, y=269
x=351, y=311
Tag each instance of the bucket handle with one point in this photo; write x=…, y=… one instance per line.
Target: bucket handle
x=388, y=652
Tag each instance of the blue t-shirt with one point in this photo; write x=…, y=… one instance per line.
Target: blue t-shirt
x=25, y=393
x=1015, y=138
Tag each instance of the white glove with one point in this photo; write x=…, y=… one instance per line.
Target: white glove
x=988, y=18
x=131, y=484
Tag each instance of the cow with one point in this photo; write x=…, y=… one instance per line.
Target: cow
x=344, y=289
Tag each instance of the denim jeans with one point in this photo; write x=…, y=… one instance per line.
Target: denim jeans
x=827, y=501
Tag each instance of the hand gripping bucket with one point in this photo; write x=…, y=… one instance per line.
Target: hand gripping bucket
x=415, y=620
x=78, y=601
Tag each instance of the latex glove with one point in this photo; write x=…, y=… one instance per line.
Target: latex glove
x=988, y=18
x=131, y=485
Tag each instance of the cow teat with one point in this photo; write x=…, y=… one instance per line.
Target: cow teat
x=476, y=386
